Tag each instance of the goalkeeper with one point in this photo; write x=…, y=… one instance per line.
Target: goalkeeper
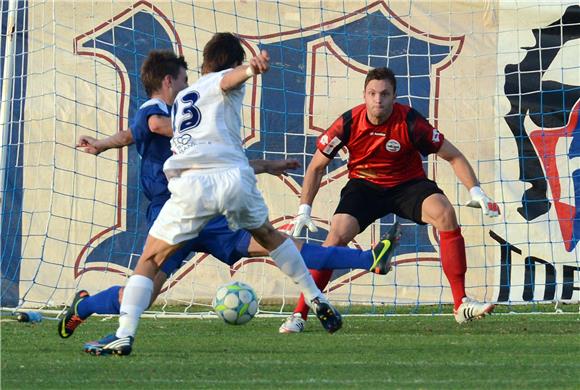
x=163, y=76
x=385, y=141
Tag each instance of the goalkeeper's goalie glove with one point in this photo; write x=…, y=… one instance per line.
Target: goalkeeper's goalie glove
x=303, y=219
x=480, y=200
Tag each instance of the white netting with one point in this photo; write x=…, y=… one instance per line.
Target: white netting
x=501, y=80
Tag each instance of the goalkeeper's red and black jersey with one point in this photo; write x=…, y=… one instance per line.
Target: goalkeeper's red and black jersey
x=388, y=154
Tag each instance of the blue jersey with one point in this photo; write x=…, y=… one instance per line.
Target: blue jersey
x=153, y=148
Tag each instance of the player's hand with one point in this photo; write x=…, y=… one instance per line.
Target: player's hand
x=303, y=219
x=260, y=63
x=480, y=200
x=89, y=145
x=280, y=167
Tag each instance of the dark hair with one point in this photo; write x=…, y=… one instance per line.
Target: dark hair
x=382, y=74
x=157, y=65
x=223, y=51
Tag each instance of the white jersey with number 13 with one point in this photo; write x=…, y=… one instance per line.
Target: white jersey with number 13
x=206, y=127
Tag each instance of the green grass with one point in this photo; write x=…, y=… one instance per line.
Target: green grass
x=523, y=352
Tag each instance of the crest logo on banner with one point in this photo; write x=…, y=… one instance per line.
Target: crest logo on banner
x=548, y=150
x=287, y=118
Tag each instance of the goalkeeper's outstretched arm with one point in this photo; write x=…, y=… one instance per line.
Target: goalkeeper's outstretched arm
x=459, y=163
x=310, y=187
x=466, y=175
x=313, y=177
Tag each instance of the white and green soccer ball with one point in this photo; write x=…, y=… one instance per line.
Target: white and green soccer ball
x=235, y=303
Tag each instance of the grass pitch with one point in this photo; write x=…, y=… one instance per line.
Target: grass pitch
x=518, y=351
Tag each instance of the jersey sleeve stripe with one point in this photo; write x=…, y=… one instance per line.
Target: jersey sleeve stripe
x=347, y=126
x=411, y=120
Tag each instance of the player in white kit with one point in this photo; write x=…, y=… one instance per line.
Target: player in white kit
x=209, y=174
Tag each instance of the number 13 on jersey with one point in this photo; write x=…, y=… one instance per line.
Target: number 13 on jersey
x=185, y=114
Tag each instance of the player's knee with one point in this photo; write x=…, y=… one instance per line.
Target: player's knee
x=153, y=262
x=337, y=239
x=446, y=219
x=160, y=258
x=268, y=237
x=261, y=234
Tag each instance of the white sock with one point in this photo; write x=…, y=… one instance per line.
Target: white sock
x=288, y=259
x=136, y=298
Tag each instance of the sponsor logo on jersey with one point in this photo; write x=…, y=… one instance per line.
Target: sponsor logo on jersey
x=328, y=149
x=393, y=146
x=436, y=136
x=181, y=144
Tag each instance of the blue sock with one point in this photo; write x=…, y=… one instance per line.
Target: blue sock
x=335, y=257
x=105, y=302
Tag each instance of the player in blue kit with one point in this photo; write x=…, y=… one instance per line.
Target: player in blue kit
x=163, y=75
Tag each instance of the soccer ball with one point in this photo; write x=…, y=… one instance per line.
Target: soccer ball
x=235, y=303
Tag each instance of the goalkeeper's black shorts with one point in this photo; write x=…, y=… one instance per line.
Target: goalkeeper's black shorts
x=368, y=202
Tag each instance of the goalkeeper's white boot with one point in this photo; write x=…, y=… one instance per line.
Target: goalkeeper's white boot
x=470, y=310
x=293, y=324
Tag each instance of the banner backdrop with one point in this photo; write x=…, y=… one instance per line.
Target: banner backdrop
x=500, y=80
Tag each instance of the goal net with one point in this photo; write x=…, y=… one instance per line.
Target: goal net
x=501, y=80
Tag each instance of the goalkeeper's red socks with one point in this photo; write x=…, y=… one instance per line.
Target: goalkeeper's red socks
x=453, y=262
x=321, y=278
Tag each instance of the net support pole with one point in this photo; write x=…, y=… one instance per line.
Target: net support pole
x=6, y=102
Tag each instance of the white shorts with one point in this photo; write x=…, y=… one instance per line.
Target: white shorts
x=198, y=196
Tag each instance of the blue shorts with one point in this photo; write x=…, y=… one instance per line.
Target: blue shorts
x=216, y=239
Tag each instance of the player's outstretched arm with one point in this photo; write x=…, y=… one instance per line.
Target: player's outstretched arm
x=259, y=64
x=312, y=179
x=274, y=167
x=466, y=175
x=116, y=141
